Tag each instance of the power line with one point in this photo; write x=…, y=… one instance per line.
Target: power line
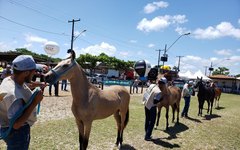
x=37, y=11
x=26, y=26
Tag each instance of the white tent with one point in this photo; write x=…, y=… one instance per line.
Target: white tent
x=186, y=75
x=199, y=74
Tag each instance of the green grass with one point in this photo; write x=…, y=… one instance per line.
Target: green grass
x=220, y=131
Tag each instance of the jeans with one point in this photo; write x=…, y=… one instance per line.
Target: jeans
x=18, y=139
x=64, y=85
x=150, y=118
x=186, y=106
x=55, y=88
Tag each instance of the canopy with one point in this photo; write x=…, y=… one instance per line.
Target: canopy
x=199, y=74
x=186, y=75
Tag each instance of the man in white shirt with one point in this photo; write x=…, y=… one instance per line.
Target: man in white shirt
x=152, y=96
x=16, y=95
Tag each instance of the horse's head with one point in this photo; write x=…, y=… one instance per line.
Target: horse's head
x=63, y=70
x=199, y=82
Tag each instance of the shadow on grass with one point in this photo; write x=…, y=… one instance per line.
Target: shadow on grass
x=158, y=141
x=127, y=147
x=194, y=119
x=219, y=108
x=209, y=117
x=173, y=131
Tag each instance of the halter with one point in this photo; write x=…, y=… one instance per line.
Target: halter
x=57, y=75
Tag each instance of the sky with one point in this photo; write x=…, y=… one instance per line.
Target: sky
x=129, y=30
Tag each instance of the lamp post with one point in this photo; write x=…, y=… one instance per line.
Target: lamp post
x=159, y=54
x=164, y=58
x=211, y=66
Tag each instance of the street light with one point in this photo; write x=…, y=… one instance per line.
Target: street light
x=79, y=35
x=211, y=67
x=164, y=58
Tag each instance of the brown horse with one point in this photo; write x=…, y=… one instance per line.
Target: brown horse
x=90, y=103
x=218, y=93
x=171, y=97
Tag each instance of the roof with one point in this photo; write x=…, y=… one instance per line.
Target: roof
x=11, y=55
x=222, y=77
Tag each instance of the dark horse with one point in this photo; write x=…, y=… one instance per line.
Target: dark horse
x=204, y=93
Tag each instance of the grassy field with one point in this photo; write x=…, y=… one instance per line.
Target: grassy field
x=219, y=131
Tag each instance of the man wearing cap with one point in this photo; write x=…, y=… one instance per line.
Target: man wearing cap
x=17, y=93
x=151, y=98
x=186, y=94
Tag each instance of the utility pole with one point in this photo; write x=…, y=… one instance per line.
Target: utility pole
x=159, y=54
x=73, y=21
x=179, y=57
x=164, y=55
x=206, y=67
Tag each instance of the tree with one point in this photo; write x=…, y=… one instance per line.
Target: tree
x=42, y=56
x=221, y=71
x=90, y=61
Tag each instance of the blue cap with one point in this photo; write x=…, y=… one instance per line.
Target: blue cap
x=23, y=63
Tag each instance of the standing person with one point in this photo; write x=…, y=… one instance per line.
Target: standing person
x=17, y=94
x=186, y=94
x=151, y=97
x=55, y=89
x=6, y=72
x=135, y=85
x=64, y=85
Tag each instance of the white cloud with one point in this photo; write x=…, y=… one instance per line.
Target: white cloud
x=124, y=54
x=223, y=52
x=151, y=7
x=98, y=49
x=221, y=30
x=151, y=45
x=181, y=31
x=239, y=21
x=36, y=39
x=3, y=47
x=160, y=22
x=133, y=41
x=28, y=45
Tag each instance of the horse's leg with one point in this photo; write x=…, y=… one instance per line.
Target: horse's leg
x=199, y=106
x=81, y=133
x=124, y=120
x=158, y=115
x=208, y=101
x=178, y=109
x=167, y=110
x=173, y=112
x=211, y=105
x=87, y=130
x=118, y=120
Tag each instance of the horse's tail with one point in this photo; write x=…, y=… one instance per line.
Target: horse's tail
x=126, y=119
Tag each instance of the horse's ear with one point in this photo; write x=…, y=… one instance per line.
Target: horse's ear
x=201, y=78
x=73, y=54
x=197, y=77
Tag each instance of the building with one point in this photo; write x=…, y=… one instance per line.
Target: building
x=228, y=84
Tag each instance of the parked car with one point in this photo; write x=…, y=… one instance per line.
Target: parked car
x=98, y=78
x=179, y=83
